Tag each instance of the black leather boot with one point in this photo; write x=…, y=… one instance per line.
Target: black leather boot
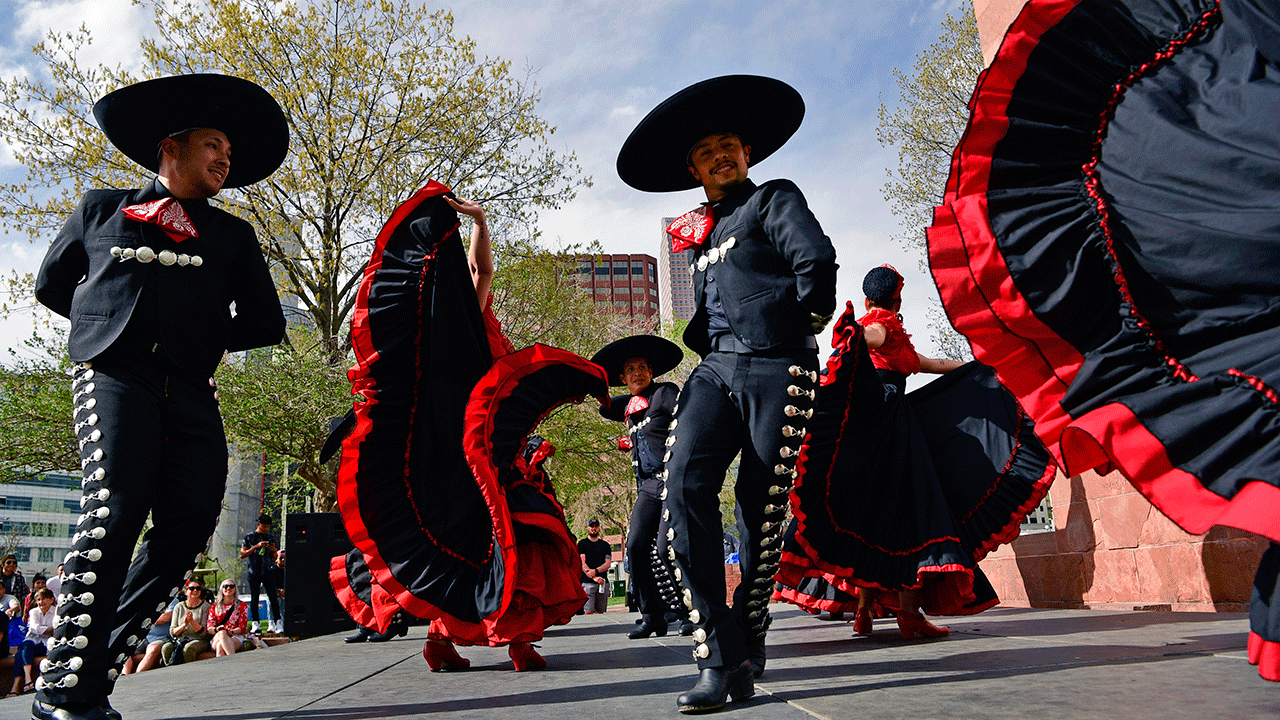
x=755, y=656
x=714, y=686
x=650, y=626
x=687, y=627
x=399, y=626
x=361, y=635
x=44, y=711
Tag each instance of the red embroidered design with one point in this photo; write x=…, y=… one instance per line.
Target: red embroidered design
x=1092, y=183
x=167, y=214
x=691, y=229
x=624, y=443
x=636, y=404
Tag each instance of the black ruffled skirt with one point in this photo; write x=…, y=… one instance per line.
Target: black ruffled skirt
x=903, y=491
x=1109, y=242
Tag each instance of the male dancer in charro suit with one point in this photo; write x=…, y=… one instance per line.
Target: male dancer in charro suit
x=147, y=278
x=764, y=279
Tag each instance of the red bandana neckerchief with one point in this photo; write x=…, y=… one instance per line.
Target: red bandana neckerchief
x=167, y=214
x=691, y=229
x=636, y=404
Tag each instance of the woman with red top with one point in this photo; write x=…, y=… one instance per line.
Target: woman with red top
x=897, y=495
x=442, y=487
x=228, y=621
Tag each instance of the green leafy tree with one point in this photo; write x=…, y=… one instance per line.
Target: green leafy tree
x=380, y=96
x=35, y=392
x=925, y=127
x=279, y=401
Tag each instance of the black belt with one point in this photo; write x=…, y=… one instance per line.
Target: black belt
x=730, y=343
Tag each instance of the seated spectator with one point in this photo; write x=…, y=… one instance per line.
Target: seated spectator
x=39, y=630
x=188, y=630
x=152, y=644
x=228, y=621
x=12, y=609
x=37, y=582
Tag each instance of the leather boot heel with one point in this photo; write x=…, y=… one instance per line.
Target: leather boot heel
x=524, y=657
x=715, y=686
x=656, y=628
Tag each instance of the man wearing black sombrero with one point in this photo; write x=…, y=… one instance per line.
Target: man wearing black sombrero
x=633, y=362
x=764, y=279
x=147, y=278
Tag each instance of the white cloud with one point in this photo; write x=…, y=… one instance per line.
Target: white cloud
x=116, y=27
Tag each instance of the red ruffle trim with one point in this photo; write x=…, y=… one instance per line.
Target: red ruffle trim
x=1266, y=655
x=359, y=610
x=546, y=592
x=811, y=604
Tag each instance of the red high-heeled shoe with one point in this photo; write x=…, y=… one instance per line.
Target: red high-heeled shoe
x=912, y=625
x=862, y=622
x=442, y=656
x=524, y=657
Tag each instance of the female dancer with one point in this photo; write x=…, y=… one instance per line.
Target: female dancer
x=463, y=528
x=905, y=493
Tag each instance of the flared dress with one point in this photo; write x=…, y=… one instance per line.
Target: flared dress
x=441, y=485
x=901, y=491
x=1109, y=242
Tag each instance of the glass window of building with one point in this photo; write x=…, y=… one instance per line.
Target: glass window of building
x=602, y=270
x=653, y=273
x=46, y=555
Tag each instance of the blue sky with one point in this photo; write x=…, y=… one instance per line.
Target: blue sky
x=601, y=65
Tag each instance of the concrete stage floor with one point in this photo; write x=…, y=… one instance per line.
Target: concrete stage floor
x=1005, y=663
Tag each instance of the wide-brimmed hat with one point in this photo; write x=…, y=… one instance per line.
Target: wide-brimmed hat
x=661, y=354
x=763, y=112
x=137, y=117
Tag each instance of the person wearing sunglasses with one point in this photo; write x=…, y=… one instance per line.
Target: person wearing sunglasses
x=188, y=628
x=228, y=621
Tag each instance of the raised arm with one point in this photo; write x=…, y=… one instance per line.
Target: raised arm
x=936, y=365
x=480, y=256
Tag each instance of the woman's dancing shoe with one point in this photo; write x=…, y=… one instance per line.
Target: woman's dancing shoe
x=862, y=622
x=524, y=657
x=442, y=656
x=715, y=686
x=912, y=625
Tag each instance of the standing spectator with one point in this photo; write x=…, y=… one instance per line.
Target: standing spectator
x=39, y=630
x=54, y=583
x=597, y=556
x=189, y=626
x=12, y=579
x=153, y=644
x=258, y=550
x=277, y=624
x=228, y=621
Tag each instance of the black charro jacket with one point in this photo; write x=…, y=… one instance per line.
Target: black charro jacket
x=773, y=266
x=81, y=280
x=648, y=428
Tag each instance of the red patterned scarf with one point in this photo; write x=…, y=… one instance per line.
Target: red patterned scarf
x=167, y=214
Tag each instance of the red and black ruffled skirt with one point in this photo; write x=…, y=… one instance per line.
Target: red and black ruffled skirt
x=441, y=489
x=900, y=491
x=1109, y=242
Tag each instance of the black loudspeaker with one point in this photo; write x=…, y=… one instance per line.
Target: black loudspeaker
x=310, y=607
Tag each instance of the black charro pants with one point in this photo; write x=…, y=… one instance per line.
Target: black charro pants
x=256, y=584
x=757, y=405
x=642, y=535
x=151, y=442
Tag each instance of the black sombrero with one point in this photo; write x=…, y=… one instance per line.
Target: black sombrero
x=762, y=111
x=661, y=354
x=137, y=117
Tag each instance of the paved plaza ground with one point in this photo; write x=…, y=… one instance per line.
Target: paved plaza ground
x=1005, y=663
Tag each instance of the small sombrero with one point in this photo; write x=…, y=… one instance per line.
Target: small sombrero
x=762, y=111
x=661, y=354
x=137, y=117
